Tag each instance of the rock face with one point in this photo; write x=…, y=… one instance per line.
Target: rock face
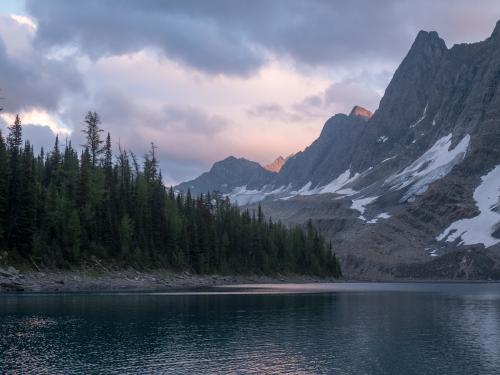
x=328, y=156
x=276, y=165
x=361, y=112
x=414, y=188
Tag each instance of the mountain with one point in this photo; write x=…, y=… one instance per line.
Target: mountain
x=277, y=164
x=314, y=165
x=411, y=191
x=230, y=175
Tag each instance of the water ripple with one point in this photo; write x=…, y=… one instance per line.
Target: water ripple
x=341, y=329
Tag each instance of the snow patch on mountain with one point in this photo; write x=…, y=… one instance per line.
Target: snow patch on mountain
x=434, y=164
x=383, y=215
x=479, y=229
x=361, y=203
x=337, y=185
x=392, y=157
x=242, y=196
x=304, y=190
x=421, y=118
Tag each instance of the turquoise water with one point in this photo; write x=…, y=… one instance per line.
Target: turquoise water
x=295, y=329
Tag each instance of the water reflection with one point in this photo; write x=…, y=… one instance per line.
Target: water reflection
x=347, y=329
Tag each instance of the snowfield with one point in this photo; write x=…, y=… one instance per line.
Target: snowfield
x=479, y=229
x=242, y=196
x=360, y=205
x=434, y=164
x=337, y=185
x=383, y=215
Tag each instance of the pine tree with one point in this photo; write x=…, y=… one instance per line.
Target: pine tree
x=15, y=138
x=92, y=133
x=4, y=174
x=24, y=228
x=108, y=157
x=14, y=141
x=64, y=210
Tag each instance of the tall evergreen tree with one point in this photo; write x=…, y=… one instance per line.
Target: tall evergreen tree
x=64, y=210
x=4, y=175
x=92, y=133
x=15, y=138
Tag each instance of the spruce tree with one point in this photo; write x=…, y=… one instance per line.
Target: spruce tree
x=92, y=133
x=4, y=174
x=64, y=210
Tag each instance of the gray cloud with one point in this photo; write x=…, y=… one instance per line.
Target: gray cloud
x=33, y=80
x=362, y=40
x=188, y=138
x=39, y=136
x=344, y=95
x=238, y=37
x=338, y=97
x=101, y=28
x=273, y=111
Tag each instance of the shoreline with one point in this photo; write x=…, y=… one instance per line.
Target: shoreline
x=91, y=280
x=131, y=280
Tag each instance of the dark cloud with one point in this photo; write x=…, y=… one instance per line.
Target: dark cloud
x=102, y=28
x=337, y=39
x=237, y=37
x=33, y=80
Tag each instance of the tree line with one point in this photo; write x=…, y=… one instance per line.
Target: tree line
x=64, y=207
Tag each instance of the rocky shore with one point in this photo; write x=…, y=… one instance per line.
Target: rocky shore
x=88, y=280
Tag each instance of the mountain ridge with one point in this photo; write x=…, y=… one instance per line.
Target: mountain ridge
x=386, y=187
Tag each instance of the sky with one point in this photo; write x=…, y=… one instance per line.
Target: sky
x=207, y=79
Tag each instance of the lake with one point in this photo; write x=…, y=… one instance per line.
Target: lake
x=345, y=328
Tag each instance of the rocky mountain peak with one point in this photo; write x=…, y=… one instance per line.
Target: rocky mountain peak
x=360, y=112
x=495, y=35
x=276, y=165
x=428, y=42
x=409, y=191
x=232, y=161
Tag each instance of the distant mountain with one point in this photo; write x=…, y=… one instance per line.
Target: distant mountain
x=277, y=164
x=229, y=175
x=412, y=191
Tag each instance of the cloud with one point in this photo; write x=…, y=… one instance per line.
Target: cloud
x=274, y=112
x=23, y=20
x=195, y=40
x=205, y=79
x=37, y=117
x=344, y=95
x=30, y=79
x=237, y=38
x=188, y=138
x=39, y=136
x=339, y=97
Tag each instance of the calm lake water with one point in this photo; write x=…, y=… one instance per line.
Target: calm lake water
x=295, y=329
